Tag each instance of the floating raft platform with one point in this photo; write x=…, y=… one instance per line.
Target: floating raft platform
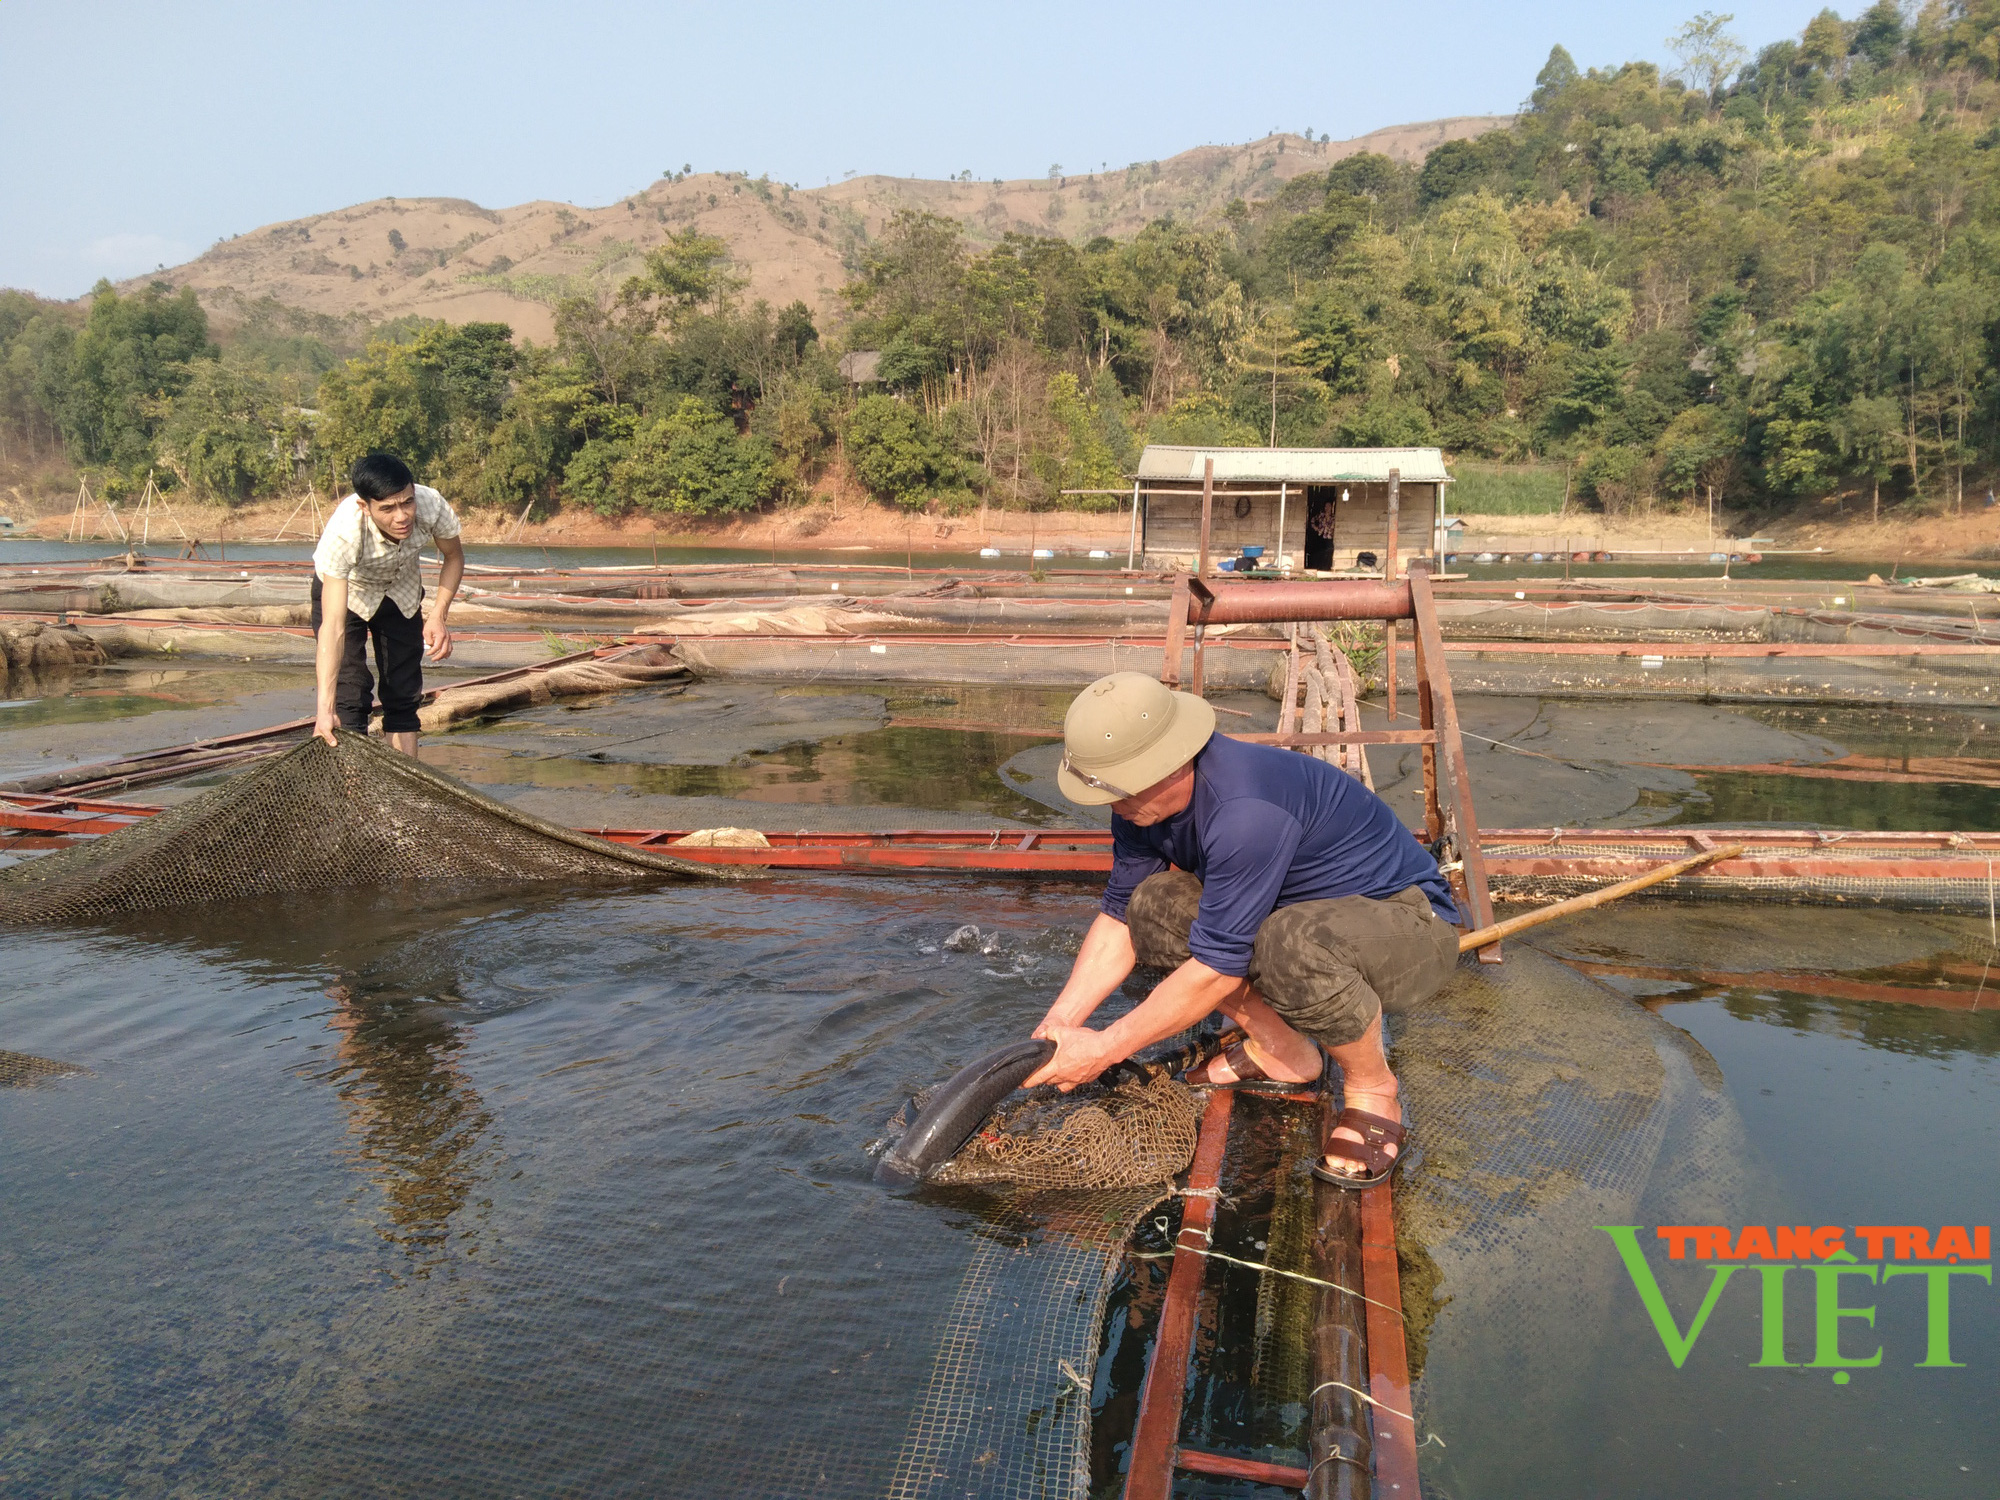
x=1930, y=871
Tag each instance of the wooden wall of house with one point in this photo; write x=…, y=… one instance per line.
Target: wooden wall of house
x=1361, y=523
x=1173, y=523
x=1172, y=527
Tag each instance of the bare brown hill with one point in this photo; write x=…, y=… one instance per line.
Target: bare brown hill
x=451, y=259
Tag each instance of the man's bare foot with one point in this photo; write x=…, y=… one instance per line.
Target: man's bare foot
x=1382, y=1100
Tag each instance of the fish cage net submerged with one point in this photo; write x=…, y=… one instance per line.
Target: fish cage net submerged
x=1825, y=871
x=975, y=1379
x=1006, y=1408
x=987, y=1389
x=491, y=1219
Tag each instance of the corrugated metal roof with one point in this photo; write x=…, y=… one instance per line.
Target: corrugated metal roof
x=1295, y=465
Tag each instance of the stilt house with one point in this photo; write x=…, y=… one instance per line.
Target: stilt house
x=1324, y=509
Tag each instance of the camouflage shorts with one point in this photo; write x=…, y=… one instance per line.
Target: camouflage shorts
x=1327, y=967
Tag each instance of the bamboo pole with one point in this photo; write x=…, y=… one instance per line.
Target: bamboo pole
x=311, y=496
x=80, y=515
x=1389, y=575
x=523, y=521
x=1132, y=542
x=1207, y=507
x=1341, y=1442
x=150, y=498
x=1230, y=492
x=1512, y=925
x=79, y=512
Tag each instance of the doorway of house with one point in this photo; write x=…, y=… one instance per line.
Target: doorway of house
x=1321, y=508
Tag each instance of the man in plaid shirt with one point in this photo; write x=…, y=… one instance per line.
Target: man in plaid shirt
x=367, y=582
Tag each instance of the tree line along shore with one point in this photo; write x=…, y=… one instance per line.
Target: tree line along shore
x=1770, y=283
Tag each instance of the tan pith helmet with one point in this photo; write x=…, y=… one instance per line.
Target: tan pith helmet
x=1125, y=732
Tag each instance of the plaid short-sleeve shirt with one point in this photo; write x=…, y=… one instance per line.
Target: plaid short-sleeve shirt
x=375, y=566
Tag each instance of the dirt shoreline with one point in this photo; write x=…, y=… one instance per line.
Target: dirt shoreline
x=1974, y=535
x=857, y=525
x=862, y=525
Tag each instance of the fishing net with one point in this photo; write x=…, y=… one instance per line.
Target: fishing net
x=561, y=1240
x=1128, y=1134
x=1545, y=1105
x=318, y=818
x=1063, y=1181
x=1134, y=1126
x=1006, y=1410
x=23, y=1070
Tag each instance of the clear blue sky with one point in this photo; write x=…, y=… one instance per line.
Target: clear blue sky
x=133, y=134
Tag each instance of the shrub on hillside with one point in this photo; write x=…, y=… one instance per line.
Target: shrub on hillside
x=1203, y=421
x=230, y=434
x=1387, y=422
x=900, y=455
x=1077, y=455
x=1617, y=477
x=691, y=462
x=1507, y=489
x=432, y=396
x=591, y=476
x=797, y=417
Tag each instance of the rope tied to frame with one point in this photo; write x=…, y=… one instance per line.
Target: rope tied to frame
x=1334, y=1457
x=1258, y=1265
x=1337, y=1456
x=1327, y=1385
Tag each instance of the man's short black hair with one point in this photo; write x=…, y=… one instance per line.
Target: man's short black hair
x=377, y=476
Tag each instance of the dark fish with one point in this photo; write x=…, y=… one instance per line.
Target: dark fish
x=957, y=1109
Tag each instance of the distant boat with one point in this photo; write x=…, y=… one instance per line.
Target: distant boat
x=989, y=551
x=1715, y=557
x=1536, y=557
x=1485, y=557
x=1099, y=552
x=1043, y=552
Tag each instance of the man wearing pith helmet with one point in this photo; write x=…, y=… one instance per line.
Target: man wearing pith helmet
x=1278, y=889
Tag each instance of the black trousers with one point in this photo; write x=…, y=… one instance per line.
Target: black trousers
x=399, y=658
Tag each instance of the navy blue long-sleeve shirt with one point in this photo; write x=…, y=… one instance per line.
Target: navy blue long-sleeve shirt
x=1268, y=828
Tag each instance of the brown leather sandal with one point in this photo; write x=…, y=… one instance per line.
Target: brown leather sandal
x=1367, y=1153
x=1252, y=1079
